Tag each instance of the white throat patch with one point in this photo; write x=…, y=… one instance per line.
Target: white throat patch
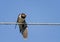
x=20, y=16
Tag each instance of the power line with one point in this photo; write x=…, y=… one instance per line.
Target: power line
x=13, y=23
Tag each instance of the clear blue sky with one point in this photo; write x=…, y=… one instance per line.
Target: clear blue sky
x=37, y=11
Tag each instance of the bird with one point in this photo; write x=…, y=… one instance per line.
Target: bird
x=23, y=26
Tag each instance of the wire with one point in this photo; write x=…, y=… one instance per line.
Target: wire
x=14, y=23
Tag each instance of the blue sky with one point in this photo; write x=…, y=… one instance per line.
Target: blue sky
x=37, y=11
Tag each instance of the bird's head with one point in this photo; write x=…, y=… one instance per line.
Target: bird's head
x=22, y=15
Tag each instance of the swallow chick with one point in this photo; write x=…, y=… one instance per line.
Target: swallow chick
x=23, y=26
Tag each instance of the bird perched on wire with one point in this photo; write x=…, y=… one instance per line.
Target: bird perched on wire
x=23, y=26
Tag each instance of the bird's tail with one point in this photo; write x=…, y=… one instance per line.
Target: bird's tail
x=25, y=33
